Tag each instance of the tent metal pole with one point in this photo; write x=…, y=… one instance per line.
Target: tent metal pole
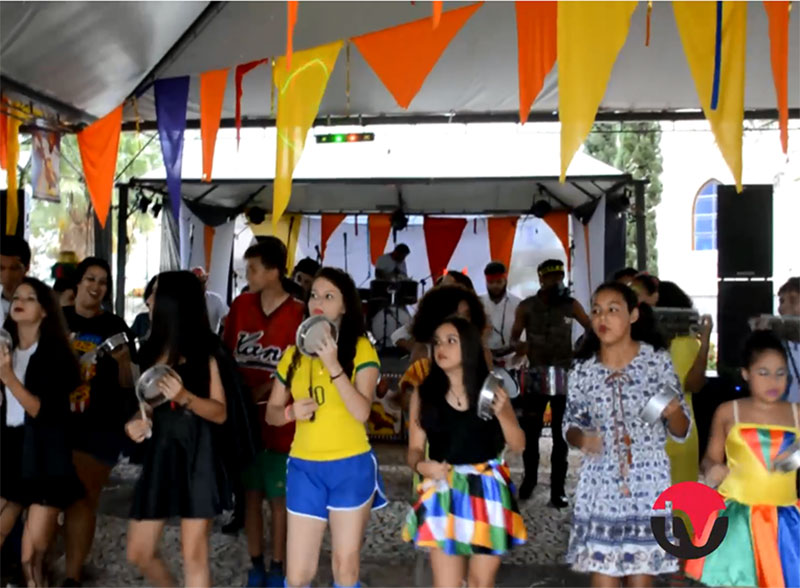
x=641, y=227
x=262, y=122
x=122, y=246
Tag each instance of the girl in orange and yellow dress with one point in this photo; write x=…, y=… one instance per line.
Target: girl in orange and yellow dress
x=762, y=545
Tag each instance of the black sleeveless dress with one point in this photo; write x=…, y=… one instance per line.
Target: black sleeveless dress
x=182, y=470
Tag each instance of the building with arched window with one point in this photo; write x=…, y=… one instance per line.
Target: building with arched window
x=704, y=217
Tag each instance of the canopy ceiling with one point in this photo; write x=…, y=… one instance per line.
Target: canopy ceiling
x=488, y=169
x=90, y=56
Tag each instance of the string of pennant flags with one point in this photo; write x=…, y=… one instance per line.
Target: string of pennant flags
x=584, y=37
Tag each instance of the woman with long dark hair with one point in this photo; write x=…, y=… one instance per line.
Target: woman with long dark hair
x=689, y=354
x=464, y=473
x=625, y=467
x=332, y=473
x=38, y=375
x=99, y=406
x=182, y=472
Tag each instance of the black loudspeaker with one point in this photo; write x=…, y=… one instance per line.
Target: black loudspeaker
x=744, y=231
x=737, y=302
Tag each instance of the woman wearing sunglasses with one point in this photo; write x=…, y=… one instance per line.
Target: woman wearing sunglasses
x=332, y=473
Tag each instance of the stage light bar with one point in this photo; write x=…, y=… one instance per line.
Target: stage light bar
x=345, y=138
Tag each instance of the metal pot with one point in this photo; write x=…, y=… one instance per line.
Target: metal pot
x=498, y=378
x=147, y=390
x=112, y=343
x=651, y=413
x=5, y=340
x=312, y=331
x=790, y=460
x=486, y=396
x=509, y=384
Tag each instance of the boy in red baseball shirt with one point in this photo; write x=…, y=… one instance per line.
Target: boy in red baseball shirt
x=261, y=324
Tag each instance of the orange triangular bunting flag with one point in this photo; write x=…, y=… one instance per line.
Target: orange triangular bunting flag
x=403, y=56
x=380, y=226
x=212, y=94
x=98, y=144
x=536, y=49
x=778, y=15
x=329, y=224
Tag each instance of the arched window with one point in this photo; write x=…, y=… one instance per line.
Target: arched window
x=704, y=217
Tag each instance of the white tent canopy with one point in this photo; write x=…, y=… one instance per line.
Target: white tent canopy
x=438, y=169
x=90, y=56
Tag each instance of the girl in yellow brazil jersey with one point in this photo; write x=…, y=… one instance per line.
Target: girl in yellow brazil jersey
x=332, y=473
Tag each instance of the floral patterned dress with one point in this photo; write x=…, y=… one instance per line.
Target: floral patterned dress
x=617, y=489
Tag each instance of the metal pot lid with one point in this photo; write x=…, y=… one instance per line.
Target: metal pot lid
x=147, y=385
x=790, y=460
x=311, y=332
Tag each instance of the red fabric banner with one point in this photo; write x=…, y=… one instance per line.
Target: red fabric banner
x=291, y=21
x=242, y=70
x=502, y=231
x=212, y=94
x=778, y=15
x=403, y=56
x=558, y=220
x=329, y=224
x=441, y=238
x=536, y=49
x=380, y=226
x=99, y=143
x=208, y=245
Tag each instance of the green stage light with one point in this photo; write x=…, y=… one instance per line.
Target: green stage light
x=345, y=138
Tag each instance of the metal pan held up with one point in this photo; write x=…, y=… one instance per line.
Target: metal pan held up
x=312, y=331
x=147, y=390
x=5, y=340
x=651, y=413
x=790, y=460
x=493, y=382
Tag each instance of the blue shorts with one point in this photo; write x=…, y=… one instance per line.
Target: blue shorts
x=315, y=487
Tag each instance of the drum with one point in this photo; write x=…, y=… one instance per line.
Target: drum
x=549, y=381
x=312, y=331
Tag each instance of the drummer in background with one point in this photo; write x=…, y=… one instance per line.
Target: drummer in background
x=501, y=308
x=261, y=325
x=392, y=266
x=546, y=319
x=789, y=306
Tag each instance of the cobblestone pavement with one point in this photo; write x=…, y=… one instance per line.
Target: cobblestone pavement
x=386, y=560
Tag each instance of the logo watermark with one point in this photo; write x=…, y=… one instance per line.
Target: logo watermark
x=698, y=502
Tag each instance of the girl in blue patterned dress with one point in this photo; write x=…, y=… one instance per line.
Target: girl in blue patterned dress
x=625, y=466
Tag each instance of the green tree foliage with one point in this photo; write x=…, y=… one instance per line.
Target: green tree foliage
x=633, y=147
x=48, y=220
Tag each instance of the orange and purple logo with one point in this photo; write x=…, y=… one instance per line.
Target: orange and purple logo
x=698, y=502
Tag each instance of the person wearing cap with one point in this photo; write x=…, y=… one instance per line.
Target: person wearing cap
x=546, y=319
x=217, y=309
x=501, y=307
x=392, y=266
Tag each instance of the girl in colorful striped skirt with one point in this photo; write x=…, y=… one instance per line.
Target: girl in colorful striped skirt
x=466, y=514
x=762, y=544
